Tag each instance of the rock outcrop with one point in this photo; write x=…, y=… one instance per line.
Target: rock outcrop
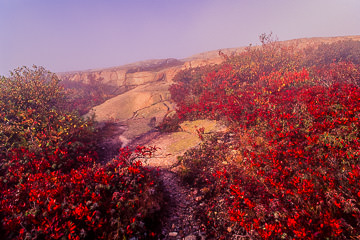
x=128, y=75
x=139, y=108
x=145, y=98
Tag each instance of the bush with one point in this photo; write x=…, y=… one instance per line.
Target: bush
x=170, y=123
x=303, y=173
x=292, y=169
x=34, y=114
x=51, y=183
x=89, y=202
x=84, y=96
x=327, y=53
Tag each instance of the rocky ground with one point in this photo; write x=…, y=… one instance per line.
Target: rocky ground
x=130, y=119
x=177, y=219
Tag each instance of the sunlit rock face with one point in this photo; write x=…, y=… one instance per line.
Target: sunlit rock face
x=144, y=97
x=128, y=75
x=147, y=101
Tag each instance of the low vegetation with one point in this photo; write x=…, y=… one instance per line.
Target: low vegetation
x=52, y=184
x=288, y=167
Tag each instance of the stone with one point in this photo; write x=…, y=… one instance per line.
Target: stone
x=173, y=234
x=190, y=237
x=134, y=74
x=198, y=198
x=142, y=102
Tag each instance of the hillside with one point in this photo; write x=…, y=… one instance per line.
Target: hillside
x=201, y=180
x=260, y=144
x=140, y=96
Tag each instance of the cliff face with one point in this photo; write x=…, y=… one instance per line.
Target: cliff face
x=139, y=73
x=128, y=75
x=146, y=98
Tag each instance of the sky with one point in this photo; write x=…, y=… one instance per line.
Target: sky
x=69, y=35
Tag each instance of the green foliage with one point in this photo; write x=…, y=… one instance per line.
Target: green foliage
x=35, y=113
x=36, y=89
x=52, y=185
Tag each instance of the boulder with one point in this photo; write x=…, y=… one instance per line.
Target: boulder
x=147, y=101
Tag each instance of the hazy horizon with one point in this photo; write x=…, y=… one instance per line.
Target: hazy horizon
x=69, y=35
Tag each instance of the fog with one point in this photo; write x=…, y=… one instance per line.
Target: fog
x=71, y=35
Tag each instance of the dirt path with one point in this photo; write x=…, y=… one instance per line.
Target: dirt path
x=178, y=220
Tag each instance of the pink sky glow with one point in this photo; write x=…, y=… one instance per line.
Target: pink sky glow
x=67, y=35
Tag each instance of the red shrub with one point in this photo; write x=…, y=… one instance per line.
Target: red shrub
x=91, y=201
x=299, y=171
x=51, y=184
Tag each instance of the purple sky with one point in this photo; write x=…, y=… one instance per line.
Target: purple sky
x=66, y=35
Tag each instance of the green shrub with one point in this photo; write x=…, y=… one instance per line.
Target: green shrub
x=52, y=185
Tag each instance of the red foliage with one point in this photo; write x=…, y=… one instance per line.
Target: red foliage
x=90, y=200
x=298, y=177
x=52, y=185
